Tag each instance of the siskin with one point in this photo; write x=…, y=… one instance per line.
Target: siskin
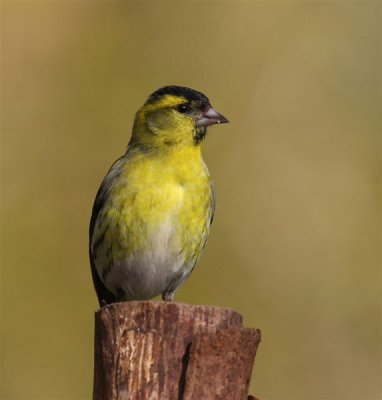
x=152, y=213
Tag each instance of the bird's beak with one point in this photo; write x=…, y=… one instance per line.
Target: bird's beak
x=209, y=117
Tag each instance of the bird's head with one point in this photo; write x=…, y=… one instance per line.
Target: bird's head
x=174, y=115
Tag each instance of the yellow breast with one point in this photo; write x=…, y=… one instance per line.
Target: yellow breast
x=148, y=192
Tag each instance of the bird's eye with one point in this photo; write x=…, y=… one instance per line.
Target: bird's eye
x=183, y=108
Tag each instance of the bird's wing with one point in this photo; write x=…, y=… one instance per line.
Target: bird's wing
x=104, y=295
x=213, y=201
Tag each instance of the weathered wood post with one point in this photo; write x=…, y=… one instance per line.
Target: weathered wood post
x=172, y=351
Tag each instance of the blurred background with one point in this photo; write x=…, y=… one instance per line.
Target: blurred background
x=295, y=245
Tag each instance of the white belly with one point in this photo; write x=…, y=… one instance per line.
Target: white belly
x=153, y=269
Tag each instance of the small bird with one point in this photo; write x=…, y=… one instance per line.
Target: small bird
x=152, y=213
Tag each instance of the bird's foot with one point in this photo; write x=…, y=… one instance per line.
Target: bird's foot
x=168, y=296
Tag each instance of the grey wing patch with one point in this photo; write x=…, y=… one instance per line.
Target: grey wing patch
x=104, y=295
x=99, y=202
x=103, y=193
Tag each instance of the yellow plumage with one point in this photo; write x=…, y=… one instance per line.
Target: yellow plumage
x=153, y=211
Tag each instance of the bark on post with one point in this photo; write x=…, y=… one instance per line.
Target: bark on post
x=171, y=351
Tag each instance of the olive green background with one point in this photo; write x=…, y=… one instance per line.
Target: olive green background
x=295, y=245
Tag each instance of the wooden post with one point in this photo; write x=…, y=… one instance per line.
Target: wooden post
x=171, y=351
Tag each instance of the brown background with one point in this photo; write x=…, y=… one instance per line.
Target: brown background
x=295, y=246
